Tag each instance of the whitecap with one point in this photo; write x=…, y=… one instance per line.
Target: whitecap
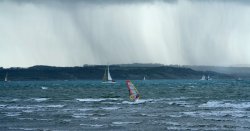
x=27, y=111
x=114, y=99
x=96, y=125
x=175, y=116
x=2, y=106
x=81, y=115
x=44, y=88
x=173, y=123
x=12, y=100
x=86, y=109
x=149, y=115
x=25, y=118
x=12, y=114
x=110, y=103
x=124, y=122
x=110, y=108
x=40, y=99
x=223, y=113
x=97, y=99
x=18, y=107
x=90, y=100
x=180, y=103
x=92, y=125
x=24, y=129
x=217, y=104
x=140, y=101
x=49, y=106
x=44, y=119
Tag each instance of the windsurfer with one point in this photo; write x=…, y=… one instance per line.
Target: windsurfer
x=137, y=96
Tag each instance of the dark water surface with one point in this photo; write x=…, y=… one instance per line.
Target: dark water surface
x=91, y=105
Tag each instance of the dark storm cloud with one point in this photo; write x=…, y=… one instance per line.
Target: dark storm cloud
x=69, y=33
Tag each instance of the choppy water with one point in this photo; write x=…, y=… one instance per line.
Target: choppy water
x=91, y=105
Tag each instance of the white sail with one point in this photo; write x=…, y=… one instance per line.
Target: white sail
x=109, y=76
x=203, y=77
x=6, y=77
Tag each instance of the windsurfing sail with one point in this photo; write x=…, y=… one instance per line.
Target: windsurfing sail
x=133, y=92
x=107, y=77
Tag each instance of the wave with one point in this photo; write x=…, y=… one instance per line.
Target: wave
x=124, y=122
x=97, y=99
x=24, y=129
x=40, y=99
x=110, y=108
x=92, y=125
x=90, y=100
x=86, y=109
x=81, y=115
x=28, y=111
x=140, y=101
x=18, y=107
x=12, y=114
x=221, y=114
x=9, y=100
x=223, y=104
x=2, y=106
x=149, y=115
x=49, y=106
x=44, y=88
x=180, y=103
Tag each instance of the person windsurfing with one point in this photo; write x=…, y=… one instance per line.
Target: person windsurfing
x=133, y=92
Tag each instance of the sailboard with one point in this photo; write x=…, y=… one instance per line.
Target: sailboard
x=133, y=92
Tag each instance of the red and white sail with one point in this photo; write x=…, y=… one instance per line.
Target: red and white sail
x=133, y=92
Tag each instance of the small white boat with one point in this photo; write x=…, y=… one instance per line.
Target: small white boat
x=209, y=78
x=206, y=78
x=6, y=77
x=107, y=79
x=203, y=77
x=239, y=79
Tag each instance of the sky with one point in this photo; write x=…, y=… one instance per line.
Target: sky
x=76, y=32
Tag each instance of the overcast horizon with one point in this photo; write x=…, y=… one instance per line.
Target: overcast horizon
x=99, y=32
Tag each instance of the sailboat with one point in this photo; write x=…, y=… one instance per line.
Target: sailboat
x=133, y=92
x=203, y=77
x=144, y=78
x=107, y=77
x=208, y=78
x=6, y=77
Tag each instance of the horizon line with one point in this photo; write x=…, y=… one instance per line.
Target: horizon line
x=139, y=64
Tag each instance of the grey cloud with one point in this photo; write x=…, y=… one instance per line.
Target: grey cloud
x=73, y=33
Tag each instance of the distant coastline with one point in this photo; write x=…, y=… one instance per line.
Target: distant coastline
x=119, y=72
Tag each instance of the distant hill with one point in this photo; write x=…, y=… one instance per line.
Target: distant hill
x=95, y=72
x=243, y=72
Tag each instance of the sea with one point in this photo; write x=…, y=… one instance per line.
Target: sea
x=90, y=105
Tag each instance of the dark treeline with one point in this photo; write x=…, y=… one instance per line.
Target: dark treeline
x=95, y=72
